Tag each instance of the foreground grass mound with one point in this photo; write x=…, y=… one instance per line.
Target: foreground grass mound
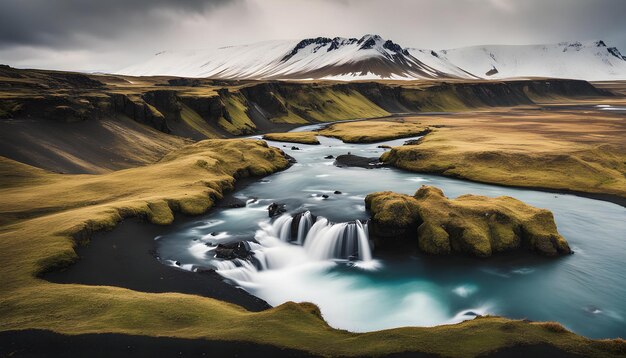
x=470, y=224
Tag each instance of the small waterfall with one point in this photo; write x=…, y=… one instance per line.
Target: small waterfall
x=282, y=227
x=237, y=270
x=365, y=251
x=306, y=221
x=326, y=241
x=317, y=241
x=323, y=240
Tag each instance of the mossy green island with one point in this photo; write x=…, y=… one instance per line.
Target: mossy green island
x=470, y=224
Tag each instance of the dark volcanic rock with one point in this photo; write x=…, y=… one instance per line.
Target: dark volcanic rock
x=337, y=192
x=265, y=95
x=237, y=250
x=350, y=160
x=390, y=45
x=329, y=157
x=491, y=72
x=304, y=43
x=139, y=111
x=295, y=224
x=275, y=209
x=211, y=109
x=231, y=202
x=412, y=142
x=184, y=82
x=291, y=159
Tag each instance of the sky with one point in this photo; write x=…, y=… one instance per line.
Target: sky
x=93, y=35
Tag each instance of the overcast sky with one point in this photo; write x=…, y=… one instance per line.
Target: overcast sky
x=98, y=35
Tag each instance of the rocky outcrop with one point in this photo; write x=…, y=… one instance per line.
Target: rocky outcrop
x=351, y=160
x=297, y=221
x=139, y=111
x=275, y=209
x=211, y=109
x=237, y=250
x=165, y=101
x=264, y=95
x=470, y=224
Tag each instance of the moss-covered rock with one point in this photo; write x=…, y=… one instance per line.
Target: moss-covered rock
x=470, y=224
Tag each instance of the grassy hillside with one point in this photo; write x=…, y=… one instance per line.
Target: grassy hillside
x=65, y=121
x=91, y=146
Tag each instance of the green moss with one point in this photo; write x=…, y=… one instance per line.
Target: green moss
x=196, y=122
x=392, y=209
x=433, y=239
x=325, y=104
x=238, y=121
x=290, y=118
x=443, y=100
x=474, y=225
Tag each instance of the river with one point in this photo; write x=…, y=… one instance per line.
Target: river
x=330, y=264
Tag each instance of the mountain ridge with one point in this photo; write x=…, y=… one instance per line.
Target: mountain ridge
x=373, y=57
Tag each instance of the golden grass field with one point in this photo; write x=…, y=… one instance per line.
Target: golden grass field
x=561, y=150
x=45, y=215
x=525, y=147
x=293, y=137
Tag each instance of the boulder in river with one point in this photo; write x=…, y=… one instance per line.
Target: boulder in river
x=290, y=159
x=351, y=160
x=470, y=224
x=237, y=250
x=275, y=209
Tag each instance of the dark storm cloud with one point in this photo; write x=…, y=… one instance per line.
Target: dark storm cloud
x=107, y=35
x=64, y=23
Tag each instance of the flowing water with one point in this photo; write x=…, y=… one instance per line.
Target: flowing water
x=328, y=259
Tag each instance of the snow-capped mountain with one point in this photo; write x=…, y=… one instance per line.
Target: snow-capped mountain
x=372, y=57
x=591, y=60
